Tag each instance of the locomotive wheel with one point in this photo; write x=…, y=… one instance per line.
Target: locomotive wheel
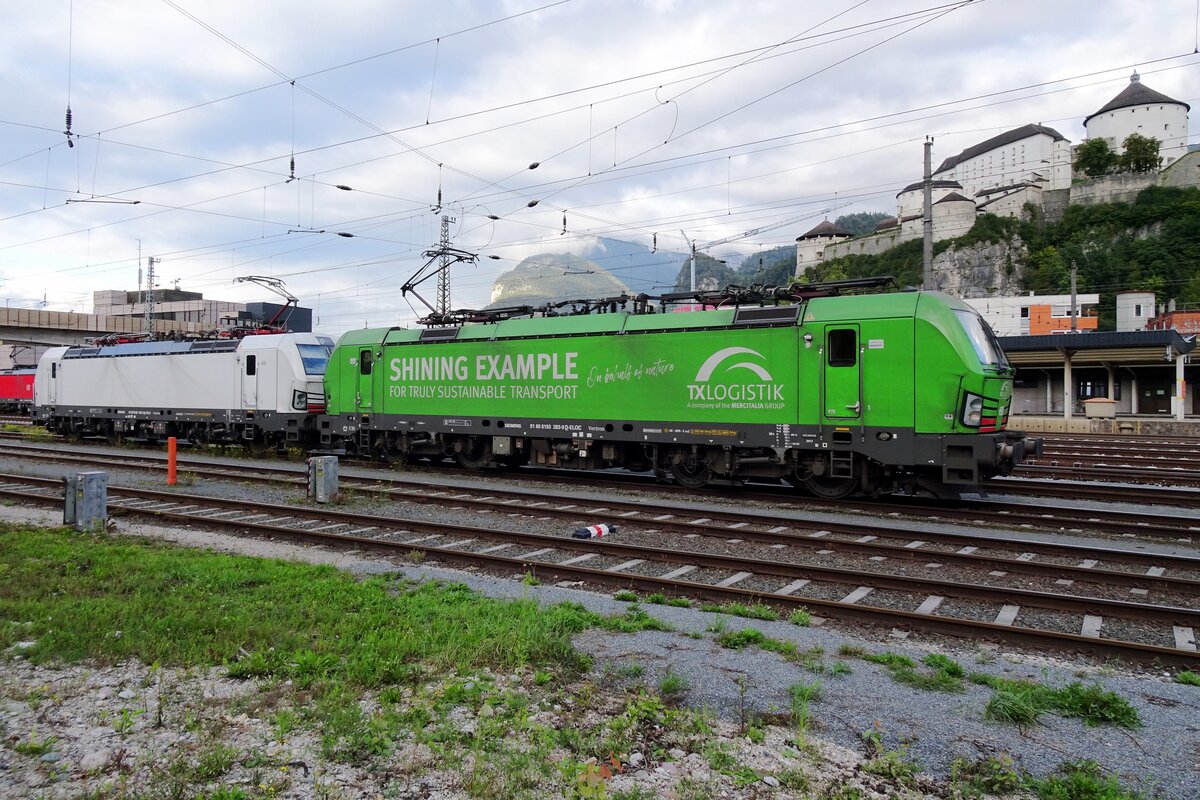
x=828, y=488
x=692, y=476
x=384, y=452
x=475, y=456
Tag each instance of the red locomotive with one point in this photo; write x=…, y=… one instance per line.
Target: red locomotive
x=16, y=390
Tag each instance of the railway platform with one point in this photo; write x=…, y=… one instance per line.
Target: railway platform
x=1129, y=424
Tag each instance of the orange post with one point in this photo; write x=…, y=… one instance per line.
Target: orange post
x=171, y=461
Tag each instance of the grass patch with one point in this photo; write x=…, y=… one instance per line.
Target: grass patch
x=803, y=695
x=739, y=640
x=944, y=674
x=672, y=685
x=891, y=660
x=801, y=617
x=994, y=775
x=1080, y=780
x=626, y=596
x=34, y=746
x=629, y=671
x=333, y=637
x=178, y=606
x=1188, y=677
x=324, y=641
x=633, y=620
x=811, y=659
x=1022, y=701
x=753, y=611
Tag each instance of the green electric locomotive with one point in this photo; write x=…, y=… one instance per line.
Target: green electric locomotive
x=840, y=394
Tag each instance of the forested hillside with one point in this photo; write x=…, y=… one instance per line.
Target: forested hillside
x=1152, y=244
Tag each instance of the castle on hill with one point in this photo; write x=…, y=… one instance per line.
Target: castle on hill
x=1031, y=164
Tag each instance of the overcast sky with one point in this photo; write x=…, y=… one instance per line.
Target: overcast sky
x=713, y=118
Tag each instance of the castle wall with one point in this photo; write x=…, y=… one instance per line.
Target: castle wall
x=1121, y=188
x=1185, y=171
x=1013, y=203
x=871, y=245
x=952, y=219
x=1054, y=204
x=812, y=251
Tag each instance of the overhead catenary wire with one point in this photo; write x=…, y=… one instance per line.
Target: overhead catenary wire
x=944, y=104
x=727, y=204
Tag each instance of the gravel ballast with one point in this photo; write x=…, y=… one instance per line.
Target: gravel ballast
x=932, y=728
x=1161, y=758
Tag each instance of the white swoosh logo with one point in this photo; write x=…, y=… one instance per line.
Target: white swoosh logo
x=710, y=365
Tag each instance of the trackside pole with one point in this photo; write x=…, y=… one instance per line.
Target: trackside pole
x=171, y=461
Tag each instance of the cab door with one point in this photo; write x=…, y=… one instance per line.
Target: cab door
x=250, y=381
x=366, y=365
x=841, y=374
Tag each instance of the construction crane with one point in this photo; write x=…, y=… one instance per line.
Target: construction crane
x=278, y=321
x=744, y=235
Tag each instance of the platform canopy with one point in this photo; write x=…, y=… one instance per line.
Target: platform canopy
x=1129, y=348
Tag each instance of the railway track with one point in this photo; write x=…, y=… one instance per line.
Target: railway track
x=1122, y=440
x=778, y=502
x=1097, y=472
x=1104, y=451
x=1162, y=633
x=1176, y=487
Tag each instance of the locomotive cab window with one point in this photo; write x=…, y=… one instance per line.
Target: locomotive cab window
x=315, y=358
x=251, y=364
x=982, y=338
x=843, y=348
x=364, y=362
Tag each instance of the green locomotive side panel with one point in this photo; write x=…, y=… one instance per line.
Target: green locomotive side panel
x=724, y=376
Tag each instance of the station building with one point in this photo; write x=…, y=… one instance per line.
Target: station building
x=1036, y=315
x=1071, y=377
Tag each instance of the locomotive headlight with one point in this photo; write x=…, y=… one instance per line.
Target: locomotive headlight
x=972, y=410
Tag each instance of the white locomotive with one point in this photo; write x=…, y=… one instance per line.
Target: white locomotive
x=260, y=389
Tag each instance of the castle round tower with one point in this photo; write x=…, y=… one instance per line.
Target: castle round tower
x=1140, y=109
